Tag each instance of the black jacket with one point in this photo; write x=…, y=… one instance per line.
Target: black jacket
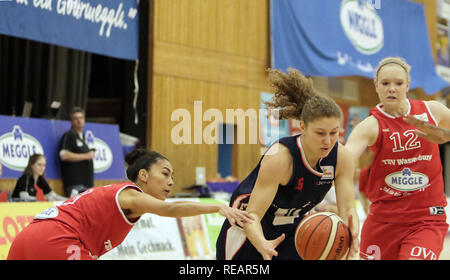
x=26, y=183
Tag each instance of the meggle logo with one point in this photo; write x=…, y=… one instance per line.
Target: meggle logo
x=17, y=147
x=407, y=180
x=362, y=25
x=103, y=154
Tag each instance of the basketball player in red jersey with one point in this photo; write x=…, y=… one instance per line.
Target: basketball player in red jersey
x=407, y=219
x=362, y=185
x=97, y=220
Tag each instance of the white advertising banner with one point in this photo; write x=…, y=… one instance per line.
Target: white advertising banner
x=152, y=238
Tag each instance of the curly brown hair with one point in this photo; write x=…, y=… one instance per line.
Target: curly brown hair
x=296, y=98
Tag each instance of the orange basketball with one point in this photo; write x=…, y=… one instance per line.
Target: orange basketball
x=322, y=236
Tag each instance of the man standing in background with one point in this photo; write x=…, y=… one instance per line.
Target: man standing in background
x=77, y=166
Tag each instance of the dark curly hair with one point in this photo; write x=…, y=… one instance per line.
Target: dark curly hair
x=139, y=159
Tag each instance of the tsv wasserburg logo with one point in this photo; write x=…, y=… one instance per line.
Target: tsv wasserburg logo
x=103, y=154
x=407, y=180
x=17, y=147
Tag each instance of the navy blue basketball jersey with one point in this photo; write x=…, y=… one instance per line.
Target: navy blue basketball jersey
x=306, y=188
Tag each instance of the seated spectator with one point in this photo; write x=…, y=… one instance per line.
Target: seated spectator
x=32, y=186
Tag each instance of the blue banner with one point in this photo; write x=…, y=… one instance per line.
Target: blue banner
x=271, y=127
x=107, y=27
x=22, y=137
x=349, y=37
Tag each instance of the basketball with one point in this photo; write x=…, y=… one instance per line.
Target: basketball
x=322, y=236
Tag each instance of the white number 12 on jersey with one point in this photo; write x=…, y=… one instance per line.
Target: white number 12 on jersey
x=411, y=142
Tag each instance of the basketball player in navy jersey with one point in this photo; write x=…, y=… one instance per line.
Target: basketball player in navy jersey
x=292, y=177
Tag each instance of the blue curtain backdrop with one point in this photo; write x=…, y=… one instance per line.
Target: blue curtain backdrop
x=349, y=37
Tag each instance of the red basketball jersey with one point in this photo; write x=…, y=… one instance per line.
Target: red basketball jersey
x=96, y=216
x=405, y=182
x=364, y=180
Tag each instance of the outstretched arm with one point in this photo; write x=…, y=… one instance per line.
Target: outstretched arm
x=345, y=196
x=139, y=203
x=363, y=135
x=428, y=131
x=274, y=169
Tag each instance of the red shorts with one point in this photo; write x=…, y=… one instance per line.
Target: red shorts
x=48, y=240
x=393, y=241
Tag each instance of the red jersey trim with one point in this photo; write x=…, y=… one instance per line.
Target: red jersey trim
x=431, y=114
x=379, y=108
x=305, y=162
x=238, y=200
x=118, y=205
x=393, y=205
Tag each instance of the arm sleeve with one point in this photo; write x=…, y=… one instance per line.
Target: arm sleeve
x=66, y=142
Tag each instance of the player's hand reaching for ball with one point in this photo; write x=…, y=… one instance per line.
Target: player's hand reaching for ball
x=235, y=216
